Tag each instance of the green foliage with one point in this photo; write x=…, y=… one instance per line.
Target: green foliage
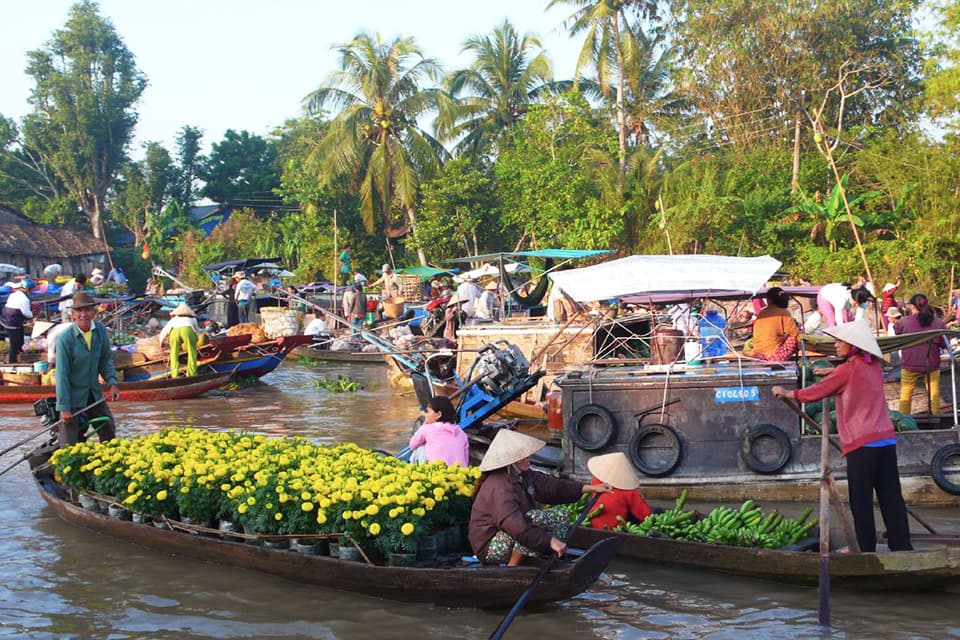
x=557, y=177
x=242, y=170
x=340, y=384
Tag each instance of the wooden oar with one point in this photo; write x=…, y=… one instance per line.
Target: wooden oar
x=796, y=409
x=823, y=576
x=508, y=619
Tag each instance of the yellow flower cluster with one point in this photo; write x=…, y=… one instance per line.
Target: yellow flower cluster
x=271, y=485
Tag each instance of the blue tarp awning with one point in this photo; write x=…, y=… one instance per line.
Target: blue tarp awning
x=556, y=254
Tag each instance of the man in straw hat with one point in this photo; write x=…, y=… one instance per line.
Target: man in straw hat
x=624, y=502
x=83, y=356
x=182, y=330
x=506, y=522
x=867, y=436
x=488, y=304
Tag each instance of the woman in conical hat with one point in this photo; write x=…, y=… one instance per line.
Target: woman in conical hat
x=183, y=331
x=624, y=502
x=507, y=522
x=867, y=437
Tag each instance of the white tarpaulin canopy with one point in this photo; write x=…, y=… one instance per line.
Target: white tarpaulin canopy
x=651, y=274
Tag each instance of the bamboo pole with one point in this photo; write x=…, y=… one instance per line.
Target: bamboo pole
x=824, y=573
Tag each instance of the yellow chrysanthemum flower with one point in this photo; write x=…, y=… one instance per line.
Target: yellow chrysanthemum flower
x=406, y=528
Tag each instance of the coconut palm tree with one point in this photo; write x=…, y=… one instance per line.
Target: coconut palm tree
x=651, y=99
x=607, y=40
x=505, y=77
x=374, y=138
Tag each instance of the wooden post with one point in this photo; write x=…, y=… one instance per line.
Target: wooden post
x=824, y=573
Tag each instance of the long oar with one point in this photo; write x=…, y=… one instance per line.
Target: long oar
x=102, y=419
x=796, y=409
x=45, y=429
x=508, y=619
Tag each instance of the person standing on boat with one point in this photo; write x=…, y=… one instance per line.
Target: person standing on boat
x=358, y=307
x=922, y=361
x=506, y=522
x=83, y=357
x=867, y=437
x=243, y=292
x=182, y=330
x=16, y=310
x=390, y=284
x=624, y=502
x=488, y=305
x=468, y=292
x=440, y=438
x=775, y=332
x=66, y=295
x=345, y=265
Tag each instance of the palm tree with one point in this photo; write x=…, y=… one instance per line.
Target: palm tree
x=374, y=138
x=607, y=40
x=503, y=80
x=651, y=98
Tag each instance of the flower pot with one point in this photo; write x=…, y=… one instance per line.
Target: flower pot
x=349, y=553
x=311, y=547
x=160, y=524
x=141, y=518
x=334, y=549
x=277, y=544
x=402, y=559
x=88, y=502
x=228, y=526
x=428, y=547
x=119, y=513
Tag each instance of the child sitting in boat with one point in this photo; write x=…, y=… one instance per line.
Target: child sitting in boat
x=440, y=438
x=624, y=502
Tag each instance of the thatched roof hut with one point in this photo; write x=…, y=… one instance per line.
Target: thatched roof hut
x=34, y=246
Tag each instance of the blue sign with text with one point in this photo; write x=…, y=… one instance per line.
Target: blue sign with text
x=736, y=394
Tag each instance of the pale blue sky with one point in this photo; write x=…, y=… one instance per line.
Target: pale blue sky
x=246, y=64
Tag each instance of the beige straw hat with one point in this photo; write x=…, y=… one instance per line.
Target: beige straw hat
x=40, y=327
x=859, y=334
x=493, y=285
x=614, y=469
x=183, y=310
x=509, y=447
x=454, y=299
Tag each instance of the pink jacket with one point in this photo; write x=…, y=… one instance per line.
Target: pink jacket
x=862, y=415
x=444, y=442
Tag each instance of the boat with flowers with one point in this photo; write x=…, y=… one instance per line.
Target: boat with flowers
x=266, y=491
x=150, y=390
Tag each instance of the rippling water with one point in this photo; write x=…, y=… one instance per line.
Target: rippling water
x=58, y=581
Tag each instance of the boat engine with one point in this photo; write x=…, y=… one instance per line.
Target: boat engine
x=46, y=410
x=498, y=369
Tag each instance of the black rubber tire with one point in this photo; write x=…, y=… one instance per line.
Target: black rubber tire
x=784, y=448
x=672, y=460
x=937, y=468
x=587, y=416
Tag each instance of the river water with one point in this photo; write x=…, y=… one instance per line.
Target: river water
x=58, y=581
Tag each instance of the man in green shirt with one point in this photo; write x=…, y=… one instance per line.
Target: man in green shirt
x=345, y=266
x=83, y=356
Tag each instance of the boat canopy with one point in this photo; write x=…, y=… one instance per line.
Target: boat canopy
x=638, y=275
x=554, y=254
x=425, y=273
x=888, y=344
x=241, y=265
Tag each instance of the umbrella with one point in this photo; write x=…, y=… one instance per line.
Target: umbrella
x=11, y=268
x=285, y=274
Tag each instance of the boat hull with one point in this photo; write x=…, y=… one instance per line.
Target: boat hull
x=143, y=391
x=352, y=357
x=454, y=586
x=930, y=568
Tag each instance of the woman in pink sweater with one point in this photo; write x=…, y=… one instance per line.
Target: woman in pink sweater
x=440, y=439
x=867, y=437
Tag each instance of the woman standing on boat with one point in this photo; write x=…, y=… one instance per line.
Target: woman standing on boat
x=867, y=438
x=922, y=361
x=506, y=522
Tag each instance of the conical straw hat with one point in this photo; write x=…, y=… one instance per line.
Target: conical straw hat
x=509, y=447
x=183, y=310
x=615, y=469
x=40, y=327
x=859, y=334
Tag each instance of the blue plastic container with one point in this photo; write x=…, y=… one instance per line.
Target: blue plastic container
x=713, y=335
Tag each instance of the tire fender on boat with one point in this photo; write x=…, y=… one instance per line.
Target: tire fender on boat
x=783, y=448
x=592, y=427
x=938, y=468
x=673, y=449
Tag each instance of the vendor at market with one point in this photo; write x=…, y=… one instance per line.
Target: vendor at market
x=507, y=522
x=624, y=502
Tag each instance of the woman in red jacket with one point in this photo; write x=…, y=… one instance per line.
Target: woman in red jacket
x=867, y=438
x=624, y=502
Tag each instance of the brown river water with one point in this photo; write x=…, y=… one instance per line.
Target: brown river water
x=58, y=581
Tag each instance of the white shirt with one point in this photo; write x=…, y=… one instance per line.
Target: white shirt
x=52, y=334
x=468, y=293
x=178, y=321
x=67, y=292
x=315, y=328
x=19, y=300
x=487, y=305
x=244, y=290
x=839, y=298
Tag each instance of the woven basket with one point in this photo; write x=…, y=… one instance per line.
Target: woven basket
x=412, y=287
x=393, y=309
x=278, y=322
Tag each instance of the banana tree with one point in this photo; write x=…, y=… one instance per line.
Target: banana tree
x=829, y=214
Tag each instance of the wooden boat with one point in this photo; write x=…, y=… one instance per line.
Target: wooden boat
x=145, y=390
x=327, y=355
x=451, y=585
x=930, y=567
x=136, y=366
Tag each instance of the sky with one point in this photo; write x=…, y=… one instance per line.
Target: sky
x=246, y=64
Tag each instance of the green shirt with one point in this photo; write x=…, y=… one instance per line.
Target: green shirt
x=345, y=262
x=79, y=366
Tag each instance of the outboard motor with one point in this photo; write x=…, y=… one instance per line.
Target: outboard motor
x=498, y=369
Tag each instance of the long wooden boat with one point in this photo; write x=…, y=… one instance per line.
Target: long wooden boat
x=142, y=391
x=327, y=355
x=450, y=585
x=930, y=567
